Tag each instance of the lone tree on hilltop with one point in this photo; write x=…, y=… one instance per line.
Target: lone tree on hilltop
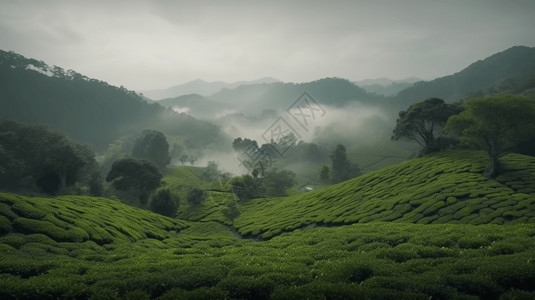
x=495, y=124
x=424, y=122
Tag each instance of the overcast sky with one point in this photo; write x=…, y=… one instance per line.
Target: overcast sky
x=147, y=45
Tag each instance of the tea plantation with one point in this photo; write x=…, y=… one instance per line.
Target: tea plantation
x=446, y=187
x=429, y=228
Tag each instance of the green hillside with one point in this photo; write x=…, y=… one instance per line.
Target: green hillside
x=446, y=187
x=83, y=247
x=218, y=197
x=68, y=101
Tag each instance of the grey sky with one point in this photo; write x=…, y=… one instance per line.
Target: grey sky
x=157, y=44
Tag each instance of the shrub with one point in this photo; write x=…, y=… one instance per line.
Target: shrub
x=25, y=209
x=196, y=196
x=231, y=211
x=5, y=225
x=14, y=241
x=164, y=202
x=27, y=226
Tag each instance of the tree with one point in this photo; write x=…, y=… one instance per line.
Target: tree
x=495, y=124
x=192, y=159
x=423, y=122
x=152, y=145
x=342, y=168
x=250, y=187
x=211, y=172
x=183, y=159
x=276, y=182
x=196, y=196
x=325, y=173
x=42, y=156
x=164, y=203
x=143, y=176
x=243, y=145
x=65, y=159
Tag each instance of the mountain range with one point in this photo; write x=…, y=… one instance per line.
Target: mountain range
x=515, y=64
x=386, y=87
x=200, y=87
x=512, y=70
x=68, y=101
x=87, y=110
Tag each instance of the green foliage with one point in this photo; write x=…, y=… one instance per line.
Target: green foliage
x=140, y=175
x=207, y=261
x=275, y=182
x=444, y=187
x=342, y=168
x=81, y=218
x=325, y=174
x=196, y=196
x=495, y=124
x=424, y=122
x=52, y=160
x=5, y=225
x=85, y=247
x=152, y=145
x=212, y=173
x=251, y=186
x=164, y=202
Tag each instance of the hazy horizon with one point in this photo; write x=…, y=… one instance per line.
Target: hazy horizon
x=146, y=45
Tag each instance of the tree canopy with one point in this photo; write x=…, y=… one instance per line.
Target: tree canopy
x=495, y=124
x=342, y=168
x=275, y=182
x=40, y=156
x=142, y=176
x=424, y=122
x=152, y=145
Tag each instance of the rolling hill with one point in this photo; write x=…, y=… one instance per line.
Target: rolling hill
x=368, y=237
x=446, y=187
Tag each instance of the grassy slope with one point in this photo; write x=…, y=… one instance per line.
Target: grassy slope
x=218, y=196
x=205, y=260
x=446, y=187
x=82, y=219
x=377, y=156
x=79, y=247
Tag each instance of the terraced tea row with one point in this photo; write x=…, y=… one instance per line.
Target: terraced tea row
x=80, y=219
x=204, y=260
x=446, y=187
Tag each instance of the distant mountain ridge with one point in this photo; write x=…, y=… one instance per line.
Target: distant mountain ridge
x=385, y=81
x=386, y=87
x=69, y=101
x=516, y=63
x=511, y=70
x=87, y=110
x=253, y=99
x=196, y=105
x=200, y=87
